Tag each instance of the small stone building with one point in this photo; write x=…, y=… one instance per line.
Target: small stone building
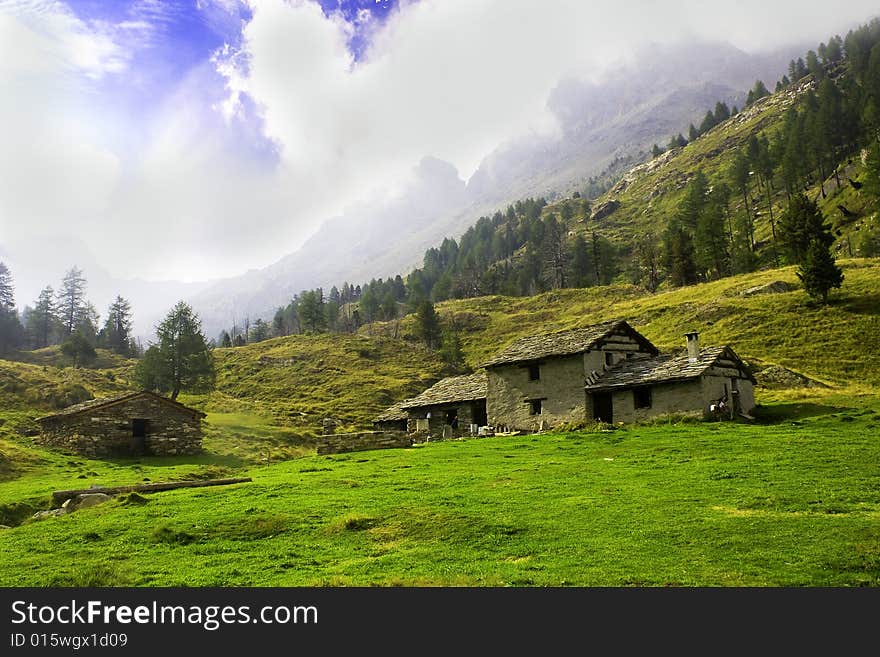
x=538, y=381
x=133, y=424
x=711, y=382
x=393, y=418
x=448, y=408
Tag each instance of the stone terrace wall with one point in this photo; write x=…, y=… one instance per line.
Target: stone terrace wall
x=107, y=431
x=363, y=440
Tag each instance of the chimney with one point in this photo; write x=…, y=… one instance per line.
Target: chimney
x=693, y=345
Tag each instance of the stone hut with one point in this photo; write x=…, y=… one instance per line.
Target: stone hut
x=133, y=424
x=451, y=407
x=394, y=418
x=538, y=381
x=711, y=382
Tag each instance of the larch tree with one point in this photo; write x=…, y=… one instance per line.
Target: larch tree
x=71, y=302
x=181, y=360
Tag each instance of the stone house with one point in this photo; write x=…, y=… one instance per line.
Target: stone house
x=449, y=407
x=133, y=424
x=607, y=372
x=708, y=382
x=538, y=381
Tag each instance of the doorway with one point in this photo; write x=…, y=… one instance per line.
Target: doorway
x=139, y=428
x=603, y=409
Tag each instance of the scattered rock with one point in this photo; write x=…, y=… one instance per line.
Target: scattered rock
x=777, y=376
x=775, y=287
x=134, y=499
x=91, y=499
x=51, y=513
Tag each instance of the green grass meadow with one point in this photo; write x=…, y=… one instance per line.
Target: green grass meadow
x=791, y=501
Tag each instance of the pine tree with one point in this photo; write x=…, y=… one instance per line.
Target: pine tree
x=580, y=263
x=7, y=290
x=11, y=332
x=181, y=360
x=800, y=224
x=656, y=150
x=450, y=348
x=78, y=348
x=71, y=300
x=42, y=320
x=678, y=256
x=259, y=331
x=116, y=334
x=225, y=340
x=818, y=272
x=428, y=325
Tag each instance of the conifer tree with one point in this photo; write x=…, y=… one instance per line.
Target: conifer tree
x=71, y=300
x=818, y=272
x=181, y=360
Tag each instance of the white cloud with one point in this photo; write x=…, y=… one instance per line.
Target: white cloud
x=51, y=171
x=445, y=78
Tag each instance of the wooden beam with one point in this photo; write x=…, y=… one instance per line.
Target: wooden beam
x=59, y=496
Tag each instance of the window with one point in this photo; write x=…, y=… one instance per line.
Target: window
x=642, y=397
x=534, y=407
x=609, y=359
x=534, y=372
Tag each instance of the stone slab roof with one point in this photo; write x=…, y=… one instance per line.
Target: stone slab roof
x=394, y=413
x=563, y=343
x=469, y=387
x=663, y=369
x=92, y=404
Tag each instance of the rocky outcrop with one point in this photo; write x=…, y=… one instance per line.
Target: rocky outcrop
x=605, y=209
x=775, y=287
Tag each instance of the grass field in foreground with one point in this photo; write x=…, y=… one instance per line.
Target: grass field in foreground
x=794, y=502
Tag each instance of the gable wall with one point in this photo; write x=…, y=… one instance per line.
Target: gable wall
x=560, y=388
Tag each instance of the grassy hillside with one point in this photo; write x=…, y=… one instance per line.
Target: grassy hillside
x=838, y=344
x=297, y=381
x=650, y=193
x=793, y=502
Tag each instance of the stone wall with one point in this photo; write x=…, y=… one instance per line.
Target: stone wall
x=108, y=430
x=363, y=440
x=683, y=397
x=715, y=387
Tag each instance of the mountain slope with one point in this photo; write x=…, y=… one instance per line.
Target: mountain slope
x=299, y=380
x=623, y=114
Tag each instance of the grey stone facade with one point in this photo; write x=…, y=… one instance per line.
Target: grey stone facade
x=135, y=424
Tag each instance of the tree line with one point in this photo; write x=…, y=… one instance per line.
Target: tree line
x=66, y=318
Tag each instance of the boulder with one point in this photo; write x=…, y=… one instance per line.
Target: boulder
x=775, y=287
x=604, y=209
x=777, y=376
x=91, y=499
